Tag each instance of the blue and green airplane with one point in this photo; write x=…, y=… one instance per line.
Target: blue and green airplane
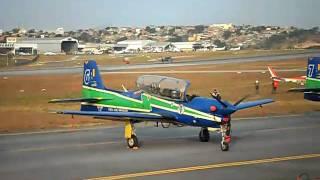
x=158, y=99
x=312, y=87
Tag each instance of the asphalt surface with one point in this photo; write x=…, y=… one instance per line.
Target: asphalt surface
x=79, y=69
x=102, y=152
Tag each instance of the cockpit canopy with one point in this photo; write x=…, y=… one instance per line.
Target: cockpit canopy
x=165, y=87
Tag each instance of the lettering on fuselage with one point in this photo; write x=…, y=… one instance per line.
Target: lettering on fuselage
x=100, y=108
x=117, y=110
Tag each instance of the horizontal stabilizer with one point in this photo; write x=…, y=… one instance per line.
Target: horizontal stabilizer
x=250, y=104
x=88, y=100
x=304, y=90
x=120, y=115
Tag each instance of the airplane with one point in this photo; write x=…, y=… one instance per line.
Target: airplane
x=312, y=87
x=274, y=76
x=158, y=99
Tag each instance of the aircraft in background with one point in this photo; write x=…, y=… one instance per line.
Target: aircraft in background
x=312, y=87
x=159, y=99
x=274, y=76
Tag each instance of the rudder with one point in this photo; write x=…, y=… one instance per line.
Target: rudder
x=91, y=75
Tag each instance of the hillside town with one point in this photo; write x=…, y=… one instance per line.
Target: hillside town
x=118, y=40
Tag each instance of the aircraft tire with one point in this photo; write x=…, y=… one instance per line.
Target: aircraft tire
x=204, y=135
x=224, y=146
x=132, y=142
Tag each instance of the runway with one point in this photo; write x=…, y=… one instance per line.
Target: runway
x=78, y=69
x=262, y=148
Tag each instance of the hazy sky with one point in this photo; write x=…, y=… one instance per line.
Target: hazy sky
x=76, y=14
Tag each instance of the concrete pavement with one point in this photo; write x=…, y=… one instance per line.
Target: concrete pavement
x=102, y=152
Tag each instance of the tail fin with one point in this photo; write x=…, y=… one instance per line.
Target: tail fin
x=91, y=75
x=313, y=73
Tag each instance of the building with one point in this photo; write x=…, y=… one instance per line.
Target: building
x=223, y=26
x=185, y=46
x=1, y=32
x=135, y=45
x=25, y=49
x=67, y=45
x=160, y=47
x=60, y=31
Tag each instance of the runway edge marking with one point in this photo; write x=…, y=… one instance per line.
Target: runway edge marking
x=211, y=166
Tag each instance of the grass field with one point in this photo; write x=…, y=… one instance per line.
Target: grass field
x=24, y=107
x=109, y=59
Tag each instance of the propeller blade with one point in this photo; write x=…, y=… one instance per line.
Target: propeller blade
x=238, y=102
x=219, y=100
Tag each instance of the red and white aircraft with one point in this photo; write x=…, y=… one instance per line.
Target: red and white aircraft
x=299, y=80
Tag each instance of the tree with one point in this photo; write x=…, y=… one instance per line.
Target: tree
x=121, y=39
x=226, y=34
x=219, y=43
x=199, y=29
x=31, y=31
x=15, y=30
x=150, y=30
x=85, y=37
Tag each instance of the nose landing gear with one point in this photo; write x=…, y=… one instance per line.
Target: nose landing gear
x=225, y=135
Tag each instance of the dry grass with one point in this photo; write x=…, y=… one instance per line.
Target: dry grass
x=106, y=59
x=27, y=110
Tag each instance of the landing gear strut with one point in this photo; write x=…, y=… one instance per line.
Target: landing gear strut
x=204, y=135
x=130, y=135
x=225, y=134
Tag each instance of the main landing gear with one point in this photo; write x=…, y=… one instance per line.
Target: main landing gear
x=204, y=135
x=225, y=128
x=130, y=135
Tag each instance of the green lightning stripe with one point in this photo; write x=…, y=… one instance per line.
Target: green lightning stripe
x=116, y=100
x=312, y=83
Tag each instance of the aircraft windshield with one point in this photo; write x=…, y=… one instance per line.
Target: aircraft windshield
x=166, y=87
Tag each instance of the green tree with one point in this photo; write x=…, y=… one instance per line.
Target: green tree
x=226, y=34
x=199, y=29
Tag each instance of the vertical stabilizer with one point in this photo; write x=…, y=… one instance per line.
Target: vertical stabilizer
x=91, y=75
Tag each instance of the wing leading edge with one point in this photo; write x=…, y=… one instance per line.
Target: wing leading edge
x=250, y=104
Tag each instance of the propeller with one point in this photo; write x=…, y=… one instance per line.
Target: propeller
x=226, y=105
x=219, y=100
x=242, y=99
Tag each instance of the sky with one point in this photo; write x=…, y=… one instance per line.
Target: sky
x=82, y=14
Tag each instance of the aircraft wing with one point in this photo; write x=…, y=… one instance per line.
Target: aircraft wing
x=304, y=90
x=116, y=115
x=88, y=100
x=250, y=104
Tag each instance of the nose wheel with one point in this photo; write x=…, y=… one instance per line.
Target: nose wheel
x=204, y=135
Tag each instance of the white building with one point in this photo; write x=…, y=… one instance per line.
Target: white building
x=60, y=31
x=223, y=26
x=1, y=32
x=184, y=46
x=56, y=45
x=134, y=45
x=160, y=47
x=25, y=49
